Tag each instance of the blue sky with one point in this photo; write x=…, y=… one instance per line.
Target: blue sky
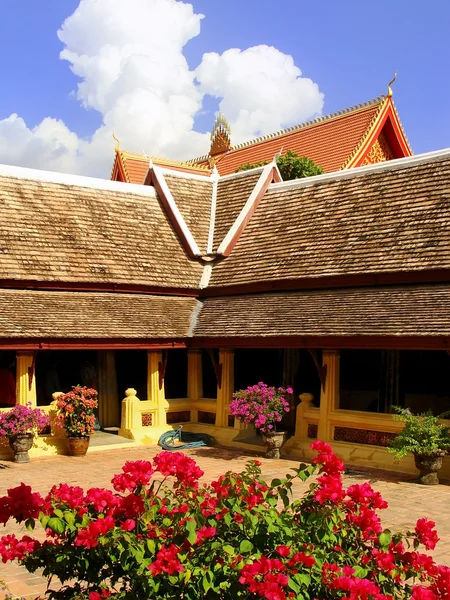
x=349, y=49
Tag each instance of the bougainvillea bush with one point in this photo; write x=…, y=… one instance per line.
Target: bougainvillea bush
x=238, y=537
x=76, y=411
x=260, y=405
x=21, y=420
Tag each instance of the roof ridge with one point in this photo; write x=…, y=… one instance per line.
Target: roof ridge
x=304, y=125
x=161, y=160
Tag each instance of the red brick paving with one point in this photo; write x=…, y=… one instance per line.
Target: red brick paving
x=407, y=500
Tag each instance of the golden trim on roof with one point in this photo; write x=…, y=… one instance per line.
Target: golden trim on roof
x=126, y=154
x=288, y=130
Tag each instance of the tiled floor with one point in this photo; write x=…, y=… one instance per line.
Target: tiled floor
x=407, y=500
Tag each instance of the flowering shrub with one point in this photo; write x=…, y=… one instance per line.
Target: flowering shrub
x=238, y=537
x=22, y=419
x=76, y=411
x=423, y=435
x=260, y=405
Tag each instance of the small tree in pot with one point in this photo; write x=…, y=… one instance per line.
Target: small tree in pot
x=19, y=426
x=263, y=407
x=76, y=416
x=427, y=438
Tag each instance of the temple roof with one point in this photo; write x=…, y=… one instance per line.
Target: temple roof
x=336, y=141
x=212, y=237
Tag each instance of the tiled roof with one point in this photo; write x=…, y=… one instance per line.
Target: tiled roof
x=117, y=235
x=193, y=198
x=232, y=194
x=371, y=220
x=421, y=310
x=43, y=314
x=328, y=141
x=136, y=166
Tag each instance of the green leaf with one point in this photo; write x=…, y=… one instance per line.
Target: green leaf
x=245, y=546
x=192, y=534
x=56, y=525
x=29, y=524
x=385, y=538
x=69, y=517
x=151, y=546
x=293, y=585
x=275, y=482
x=304, y=578
x=229, y=549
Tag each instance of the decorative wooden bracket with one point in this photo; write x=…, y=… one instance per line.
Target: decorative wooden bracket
x=162, y=365
x=216, y=366
x=31, y=372
x=321, y=369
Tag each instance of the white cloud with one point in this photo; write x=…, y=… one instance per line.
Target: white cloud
x=129, y=58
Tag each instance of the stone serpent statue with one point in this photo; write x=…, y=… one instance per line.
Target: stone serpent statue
x=192, y=440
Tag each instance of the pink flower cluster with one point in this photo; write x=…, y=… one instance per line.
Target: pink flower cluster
x=76, y=411
x=21, y=420
x=261, y=406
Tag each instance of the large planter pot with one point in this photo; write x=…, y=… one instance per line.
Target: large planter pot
x=428, y=467
x=78, y=446
x=20, y=445
x=273, y=440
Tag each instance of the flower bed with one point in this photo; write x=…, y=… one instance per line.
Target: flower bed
x=163, y=535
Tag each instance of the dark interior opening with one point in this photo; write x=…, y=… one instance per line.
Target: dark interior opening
x=175, y=379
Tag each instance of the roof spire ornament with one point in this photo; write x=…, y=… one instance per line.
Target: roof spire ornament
x=117, y=148
x=390, y=92
x=220, y=136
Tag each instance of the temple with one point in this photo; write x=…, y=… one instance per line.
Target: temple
x=188, y=284
x=361, y=135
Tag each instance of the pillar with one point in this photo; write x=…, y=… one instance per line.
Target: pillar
x=108, y=397
x=195, y=380
x=131, y=415
x=226, y=389
x=24, y=391
x=155, y=394
x=329, y=396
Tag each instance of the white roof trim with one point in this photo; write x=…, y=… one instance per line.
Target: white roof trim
x=390, y=165
x=183, y=174
x=212, y=218
x=76, y=180
x=246, y=209
x=159, y=176
x=243, y=173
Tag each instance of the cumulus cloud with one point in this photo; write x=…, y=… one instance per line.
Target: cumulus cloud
x=129, y=58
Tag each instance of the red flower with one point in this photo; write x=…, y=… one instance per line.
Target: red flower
x=167, y=561
x=283, y=550
x=238, y=518
x=425, y=533
x=128, y=525
x=205, y=533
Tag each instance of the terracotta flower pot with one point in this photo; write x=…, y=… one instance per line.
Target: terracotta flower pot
x=273, y=440
x=78, y=446
x=20, y=445
x=428, y=467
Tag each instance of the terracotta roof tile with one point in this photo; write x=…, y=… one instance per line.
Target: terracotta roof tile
x=381, y=221
x=420, y=310
x=55, y=232
x=193, y=198
x=40, y=314
x=328, y=142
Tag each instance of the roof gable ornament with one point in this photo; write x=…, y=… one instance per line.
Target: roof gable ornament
x=116, y=139
x=390, y=92
x=220, y=136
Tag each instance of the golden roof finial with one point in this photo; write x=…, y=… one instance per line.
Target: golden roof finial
x=390, y=92
x=117, y=148
x=220, y=136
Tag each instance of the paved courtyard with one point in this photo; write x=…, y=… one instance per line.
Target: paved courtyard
x=407, y=500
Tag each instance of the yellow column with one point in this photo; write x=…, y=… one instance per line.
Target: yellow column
x=24, y=392
x=225, y=391
x=329, y=397
x=195, y=381
x=108, y=397
x=156, y=395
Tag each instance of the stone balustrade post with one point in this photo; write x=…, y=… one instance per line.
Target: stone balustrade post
x=56, y=430
x=131, y=415
x=301, y=425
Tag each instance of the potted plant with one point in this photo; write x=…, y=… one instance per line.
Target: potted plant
x=76, y=416
x=19, y=426
x=427, y=438
x=263, y=407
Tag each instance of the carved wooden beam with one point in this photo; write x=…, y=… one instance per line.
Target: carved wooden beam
x=31, y=372
x=321, y=369
x=162, y=365
x=216, y=366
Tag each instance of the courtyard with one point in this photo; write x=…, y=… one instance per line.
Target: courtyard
x=407, y=500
